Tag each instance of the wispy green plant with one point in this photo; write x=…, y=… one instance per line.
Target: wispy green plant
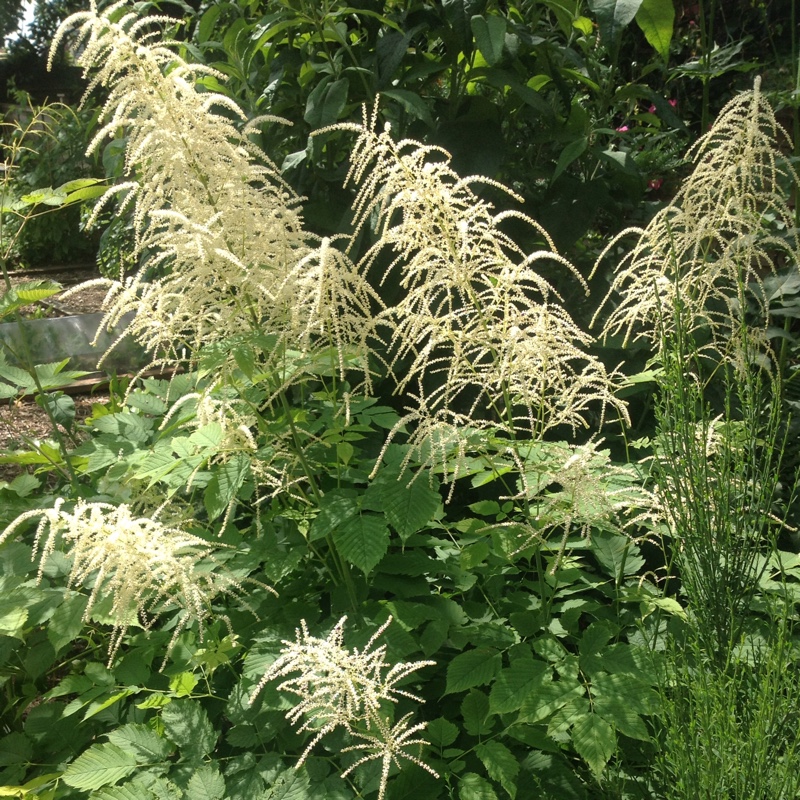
x=710, y=247
x=718, y=473
x=731, y=733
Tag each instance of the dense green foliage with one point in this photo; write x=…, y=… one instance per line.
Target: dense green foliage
x=399, y=525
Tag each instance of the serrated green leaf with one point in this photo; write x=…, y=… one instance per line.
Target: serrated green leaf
x=628, y=691
x=145, y=744
x=595, y=741
x=500, y=763
x=124, y=792
x=13, y=616
x=617, y=554
x=473, y=787
x=15, y=748
x=224, y=485
x=206, y=783
x=475, y=713
x=67, y=621
x=473, y=668
x=515, y=684
x=291, y=784
x=187, y=725
x=336, y=508
x=183, y=684
x=407, y=506
x=441, y=732
x=549, y=698
x=100, y=765
x=363, y=541
x=208, y=438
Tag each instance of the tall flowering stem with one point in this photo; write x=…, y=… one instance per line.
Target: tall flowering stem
x=219, y=234
x=706, y=253
x=479, y=339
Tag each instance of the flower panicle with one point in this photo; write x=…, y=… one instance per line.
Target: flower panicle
x=348, y=688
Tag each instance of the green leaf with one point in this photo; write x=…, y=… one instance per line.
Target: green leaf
x=100, y=765
x=291, y=784
x=15, y=749
x=473, y=668
x=206, y=783
x=490, y=36
x=225, y=484
x=24, y=293
x=125, y=792
x=613, y=16
x=61, y=406
x=363, y=541
x=187, y=725
x=617, y=554
x=183, y=684
x=13, y=616
x=570, y=153
x=515, y=684
x=141, y=740
x=594, y=741
x=500, y=763
x=81, y=189
x=326, y=103
x=67, y=621
x=407, y=506
x=336, y=508
x=473, y=787
x=411, y=103
x=475, y=713
x=549, y=699
x=656, y=19
x=441, y=732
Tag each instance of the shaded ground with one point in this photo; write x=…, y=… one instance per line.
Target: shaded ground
x=24, y=420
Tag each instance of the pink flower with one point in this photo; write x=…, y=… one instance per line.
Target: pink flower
x=655, y=184
x=652, y=109
x=673, y=103
x=623, y=129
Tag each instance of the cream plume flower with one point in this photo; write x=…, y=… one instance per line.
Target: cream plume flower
x=218, y=231
x=148, y=568
x=705, y=253
x=347, y=688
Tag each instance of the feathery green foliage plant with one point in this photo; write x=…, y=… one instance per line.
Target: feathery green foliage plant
x=689, y=284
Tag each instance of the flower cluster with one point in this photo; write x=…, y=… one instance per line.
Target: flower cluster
x=705, y=253
x=147, y=568
x=349, y=689
x=219, y=233
x=477, y=329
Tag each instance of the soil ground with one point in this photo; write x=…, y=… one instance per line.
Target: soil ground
x=24, y=420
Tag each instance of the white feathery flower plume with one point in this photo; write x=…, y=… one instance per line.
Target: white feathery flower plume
x=478, y=332
x=147, y=567
x=347, y=688
x=218, y=231
x=704, y=255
